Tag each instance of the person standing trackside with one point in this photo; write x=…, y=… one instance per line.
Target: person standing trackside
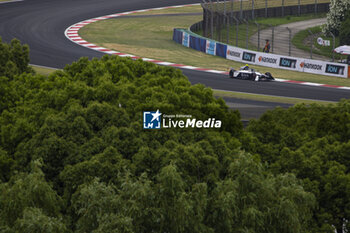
x=267, y=47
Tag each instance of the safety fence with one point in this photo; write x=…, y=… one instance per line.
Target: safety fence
x=218, y=11
x=192, y=40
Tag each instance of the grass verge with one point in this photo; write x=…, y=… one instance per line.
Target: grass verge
x=152, y=37
x=43, y=70
x=268, y=98
x=302, y=40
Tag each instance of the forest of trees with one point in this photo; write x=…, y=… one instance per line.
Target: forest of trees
x=74, y=156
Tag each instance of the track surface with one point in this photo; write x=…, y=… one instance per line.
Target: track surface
x=41, y=24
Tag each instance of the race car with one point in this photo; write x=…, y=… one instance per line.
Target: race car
x=247, y=73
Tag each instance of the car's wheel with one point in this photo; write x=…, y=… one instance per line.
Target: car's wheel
x=254, y=76
x=268, y=75
x=231, y=73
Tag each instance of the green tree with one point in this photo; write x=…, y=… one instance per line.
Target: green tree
x=35, y=221
x=313, y=143
x=6, y=166
x=251, y=200
x=181, y=211
x=344, y=32
x=14, y=59
x=100, y=171
x=28, y=191
x=335, y=16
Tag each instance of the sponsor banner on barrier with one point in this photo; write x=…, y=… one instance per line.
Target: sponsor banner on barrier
x=177, y=36
x=324, y=68
x=313, y=66
x=266, y=59
x=211, y=47
x=185, y=39
x=198, y=43
x=249, y=56
x=336, y=69
x=234, y=53
x=221, y=50
x=203, y=43
x=290, y=63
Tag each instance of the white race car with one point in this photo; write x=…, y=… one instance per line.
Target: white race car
x=247, y=73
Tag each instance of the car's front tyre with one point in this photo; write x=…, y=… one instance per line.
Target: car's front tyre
x=231, y=74
x=269, y=76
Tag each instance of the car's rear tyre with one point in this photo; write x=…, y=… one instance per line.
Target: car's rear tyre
x=254, y=76
x=231, y=73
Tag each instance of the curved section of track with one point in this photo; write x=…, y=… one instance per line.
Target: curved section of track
x=41, y=24
x=72, y=33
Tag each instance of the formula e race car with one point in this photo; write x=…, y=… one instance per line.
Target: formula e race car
x=247, y=73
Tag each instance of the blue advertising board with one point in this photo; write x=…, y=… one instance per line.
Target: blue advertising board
x=221, y=50
x=197, y=43
x=185, y=39
x=177, y=36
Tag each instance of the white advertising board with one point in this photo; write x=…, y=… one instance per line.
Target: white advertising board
x=287, y=62
x=234, y=53
x=313, y=66
x=186, y=39
x=264, y=59
x=336, y=69
x=279, y=61
x=211, y=47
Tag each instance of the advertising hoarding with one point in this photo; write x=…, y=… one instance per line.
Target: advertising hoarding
x=186, y=39
x=267, y=59
x=211, y=47
x=221, y=50
x=234, y=53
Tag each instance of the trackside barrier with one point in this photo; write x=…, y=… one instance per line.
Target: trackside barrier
x=177, y=36
x=192, y=40
x=198, y=43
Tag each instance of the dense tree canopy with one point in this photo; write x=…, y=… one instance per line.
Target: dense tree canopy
x=14, y=59
x=74, y=156
x=313, y=143
x=335, y=16
x=344, y=32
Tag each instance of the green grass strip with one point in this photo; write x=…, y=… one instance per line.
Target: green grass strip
x=268, y=98
x=43, y=70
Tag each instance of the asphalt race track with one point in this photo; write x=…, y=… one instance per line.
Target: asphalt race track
x=41, y=25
